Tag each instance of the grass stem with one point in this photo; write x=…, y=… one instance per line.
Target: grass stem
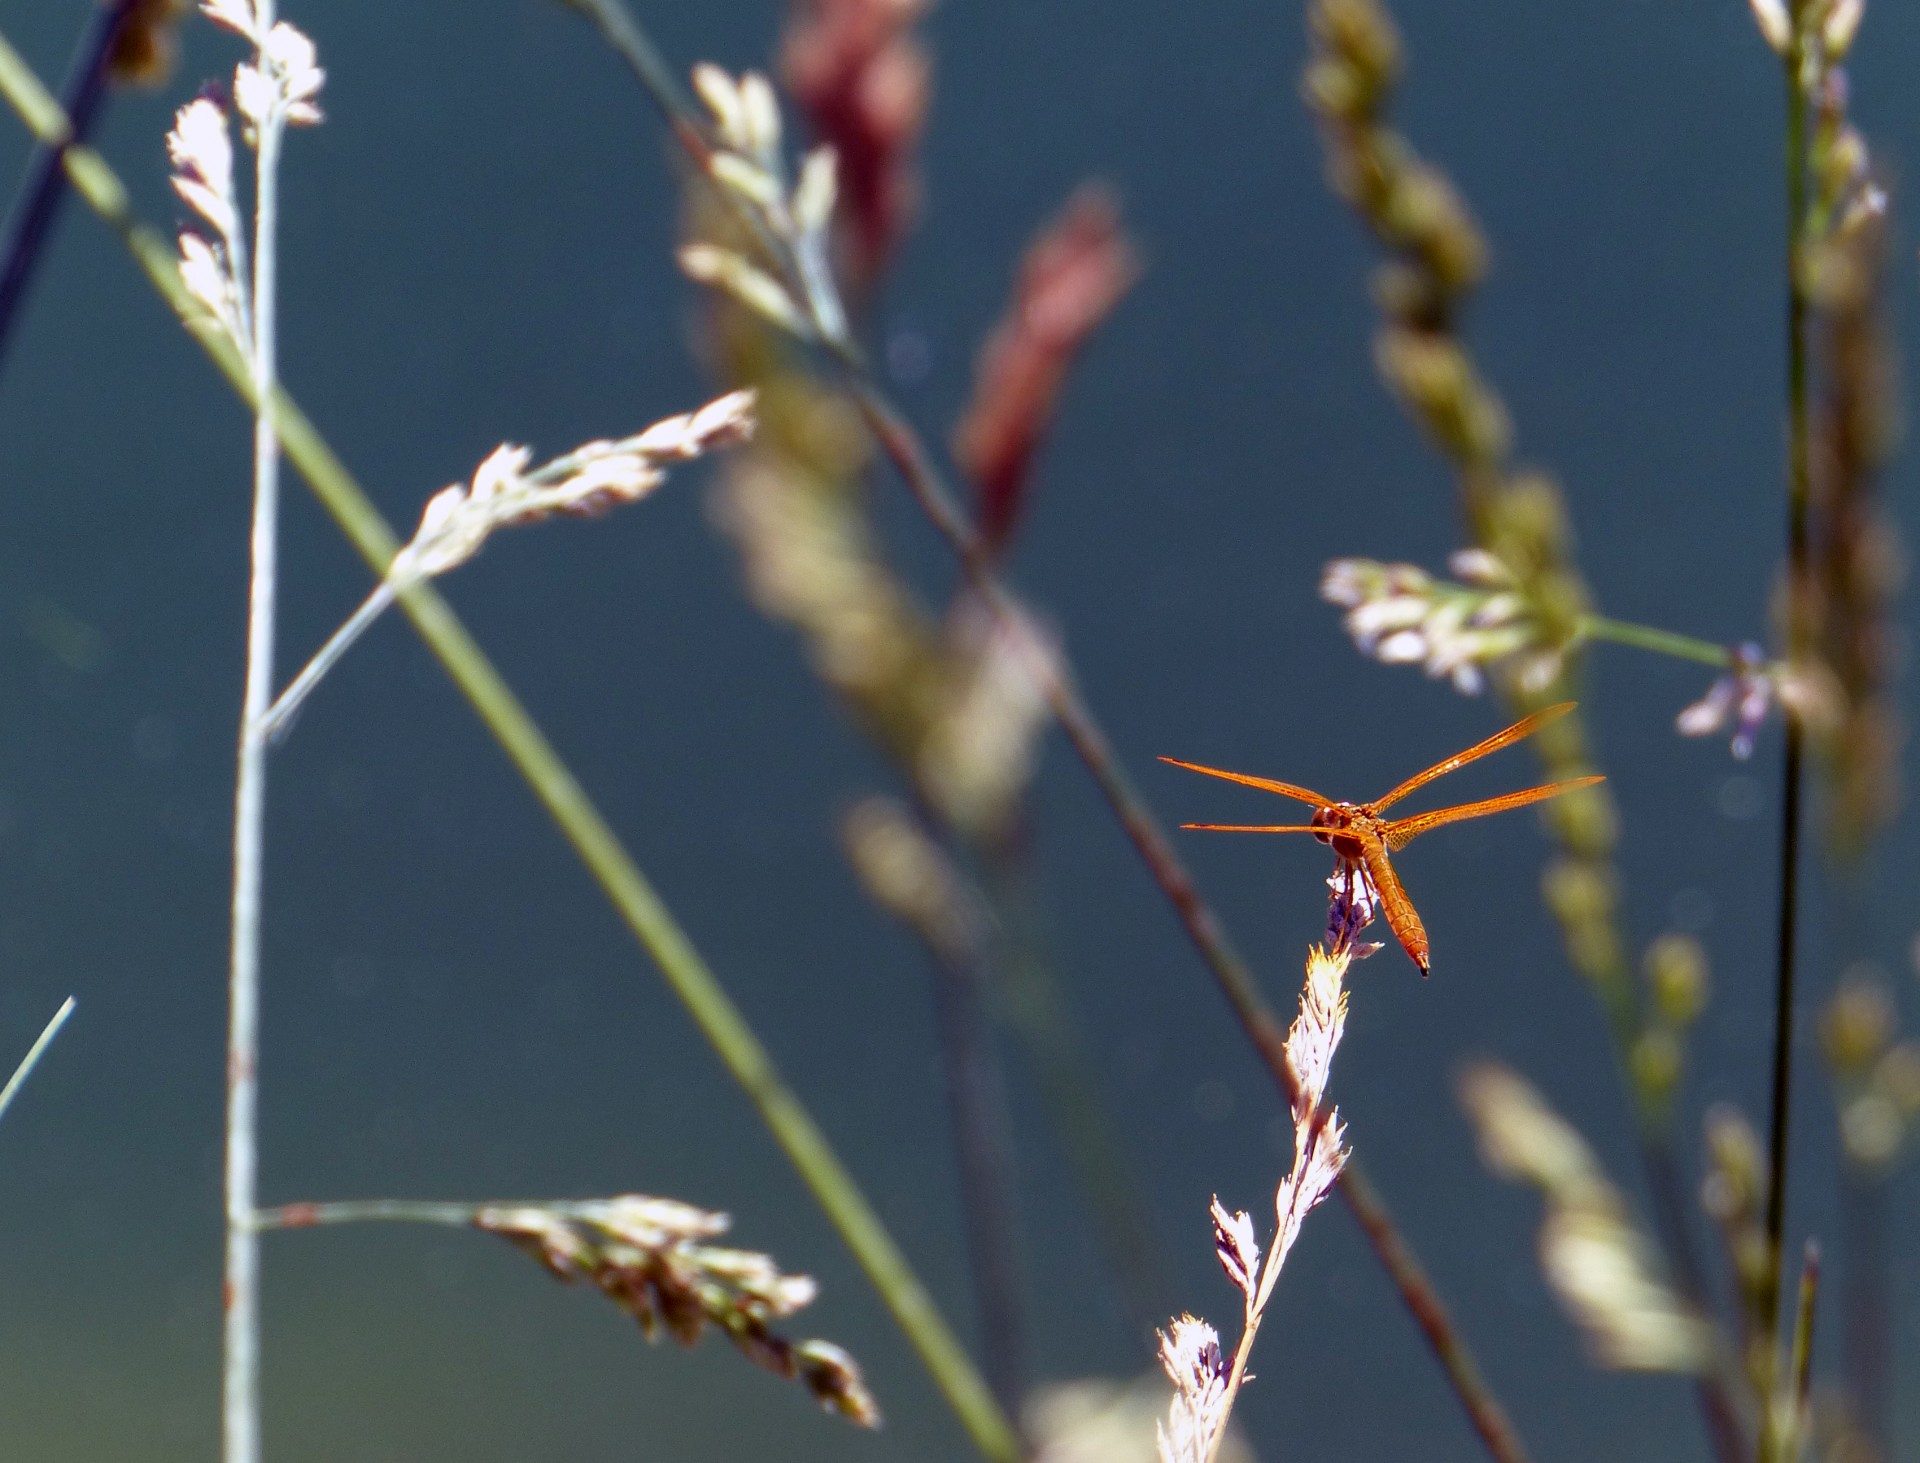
x=1799, y=495
x=34, y=1053
x=1649, y=637
x=240, y=1376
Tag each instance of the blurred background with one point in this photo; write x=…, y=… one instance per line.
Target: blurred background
x=477, y=248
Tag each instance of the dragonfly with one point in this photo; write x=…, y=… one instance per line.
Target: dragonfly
x=1360, y=835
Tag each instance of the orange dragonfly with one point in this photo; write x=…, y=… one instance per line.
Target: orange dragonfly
x=1359, y=835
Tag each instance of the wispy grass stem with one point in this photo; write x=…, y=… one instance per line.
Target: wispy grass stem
x=240, y=1430
x=1650, y=637
x=34, y=1053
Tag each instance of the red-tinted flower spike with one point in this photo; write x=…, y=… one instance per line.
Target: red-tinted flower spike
x=863, y=78
x=1072, y=277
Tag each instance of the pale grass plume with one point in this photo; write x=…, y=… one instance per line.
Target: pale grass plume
x=212, y=264
x=1205, y=1385
x=1456, y=630
x=276, y=88
x=590, y=480
x=784, y=274
x=651, y=1257
x=1603, y=1268
x=504, y=493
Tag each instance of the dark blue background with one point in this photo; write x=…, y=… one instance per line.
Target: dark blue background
x=477, y=248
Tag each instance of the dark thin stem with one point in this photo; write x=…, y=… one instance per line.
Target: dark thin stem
x=925, y=483
x=1712, y=1389
x=1799, y=494
x=1864, y=1215
x=1038, y=1011
x=983, y=1147
x=45, y=185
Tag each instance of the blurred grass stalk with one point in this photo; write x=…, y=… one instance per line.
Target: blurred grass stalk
x=34, y=1053
x=558, y=791
x=904, y=447
x=126, y=40
x=1794, y=58
x=1436, y=259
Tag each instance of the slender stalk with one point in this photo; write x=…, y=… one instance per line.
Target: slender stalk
x=1865, y=1329
x=1648, y=637
x=38, y=205
x=928, y=488
x=983, y=1146
x=34, y=1053
x=1256, y=1304
x=358, y=1211
x=277, y=720
x=240, y=1431
x=566, y=802
x=1799, y=494
x=1038, y=1010
x=1801, y=1372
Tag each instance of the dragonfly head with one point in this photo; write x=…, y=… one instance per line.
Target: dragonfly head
x=1330, y=826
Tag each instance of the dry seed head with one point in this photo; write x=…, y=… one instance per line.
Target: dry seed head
x=1858, y=1023
x=459, y=519
x=1237, y=1248
x=1775, y=26
x=1871, y=1130
x=1190, y=1352
x=1677, y=977
x=1898, y=1076
x=1602, y=1267
x=1597, y=1260
x=910, y=876
x=1736, y=1170
x=647, y=1256
x=1841, y=25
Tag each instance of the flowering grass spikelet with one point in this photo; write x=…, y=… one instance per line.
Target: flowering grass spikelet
x=1204, y=1388
x=1399, y=614
x=1600, y=1264
x=1190, y=1352
x=651, y=1258
x=458, y=520
x=794, y=289
x=200, y=148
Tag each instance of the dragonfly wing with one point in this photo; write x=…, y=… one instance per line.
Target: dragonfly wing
x=1402, y=831
x=1285, y=789
x=1525, y=727
x=1253, y=828
x=1402, y=918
